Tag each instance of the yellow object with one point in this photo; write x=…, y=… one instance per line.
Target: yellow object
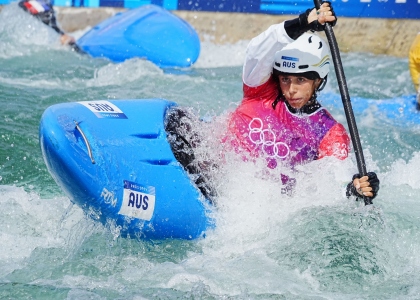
x=414, y=61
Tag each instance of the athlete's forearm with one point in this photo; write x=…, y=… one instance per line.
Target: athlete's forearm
x=260, y=54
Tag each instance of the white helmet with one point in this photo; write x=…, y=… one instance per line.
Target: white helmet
x=309, y=55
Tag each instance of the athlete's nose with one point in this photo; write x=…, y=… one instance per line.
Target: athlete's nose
x=293, y=88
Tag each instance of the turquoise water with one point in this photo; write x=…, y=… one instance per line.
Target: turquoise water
x=314, y=245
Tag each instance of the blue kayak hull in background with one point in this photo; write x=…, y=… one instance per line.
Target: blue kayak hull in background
x=112, y=158
x=400, y=111
x=148, y=32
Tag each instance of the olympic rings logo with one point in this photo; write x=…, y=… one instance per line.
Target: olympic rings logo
x=267, y=139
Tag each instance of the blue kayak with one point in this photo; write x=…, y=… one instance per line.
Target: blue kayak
x=400, y=111
x=148, y=32
x=113, y=159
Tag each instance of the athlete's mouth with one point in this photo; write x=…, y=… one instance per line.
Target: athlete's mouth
x=295, y=99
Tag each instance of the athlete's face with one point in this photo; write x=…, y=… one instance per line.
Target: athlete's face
x=297, y=90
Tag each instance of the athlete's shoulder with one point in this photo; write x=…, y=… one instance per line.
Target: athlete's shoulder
x=262, y=91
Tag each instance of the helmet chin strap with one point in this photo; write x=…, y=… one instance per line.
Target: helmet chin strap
x=313, y=98
x=322, y=84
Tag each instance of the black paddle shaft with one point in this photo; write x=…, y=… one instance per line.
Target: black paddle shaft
x=345, y=97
